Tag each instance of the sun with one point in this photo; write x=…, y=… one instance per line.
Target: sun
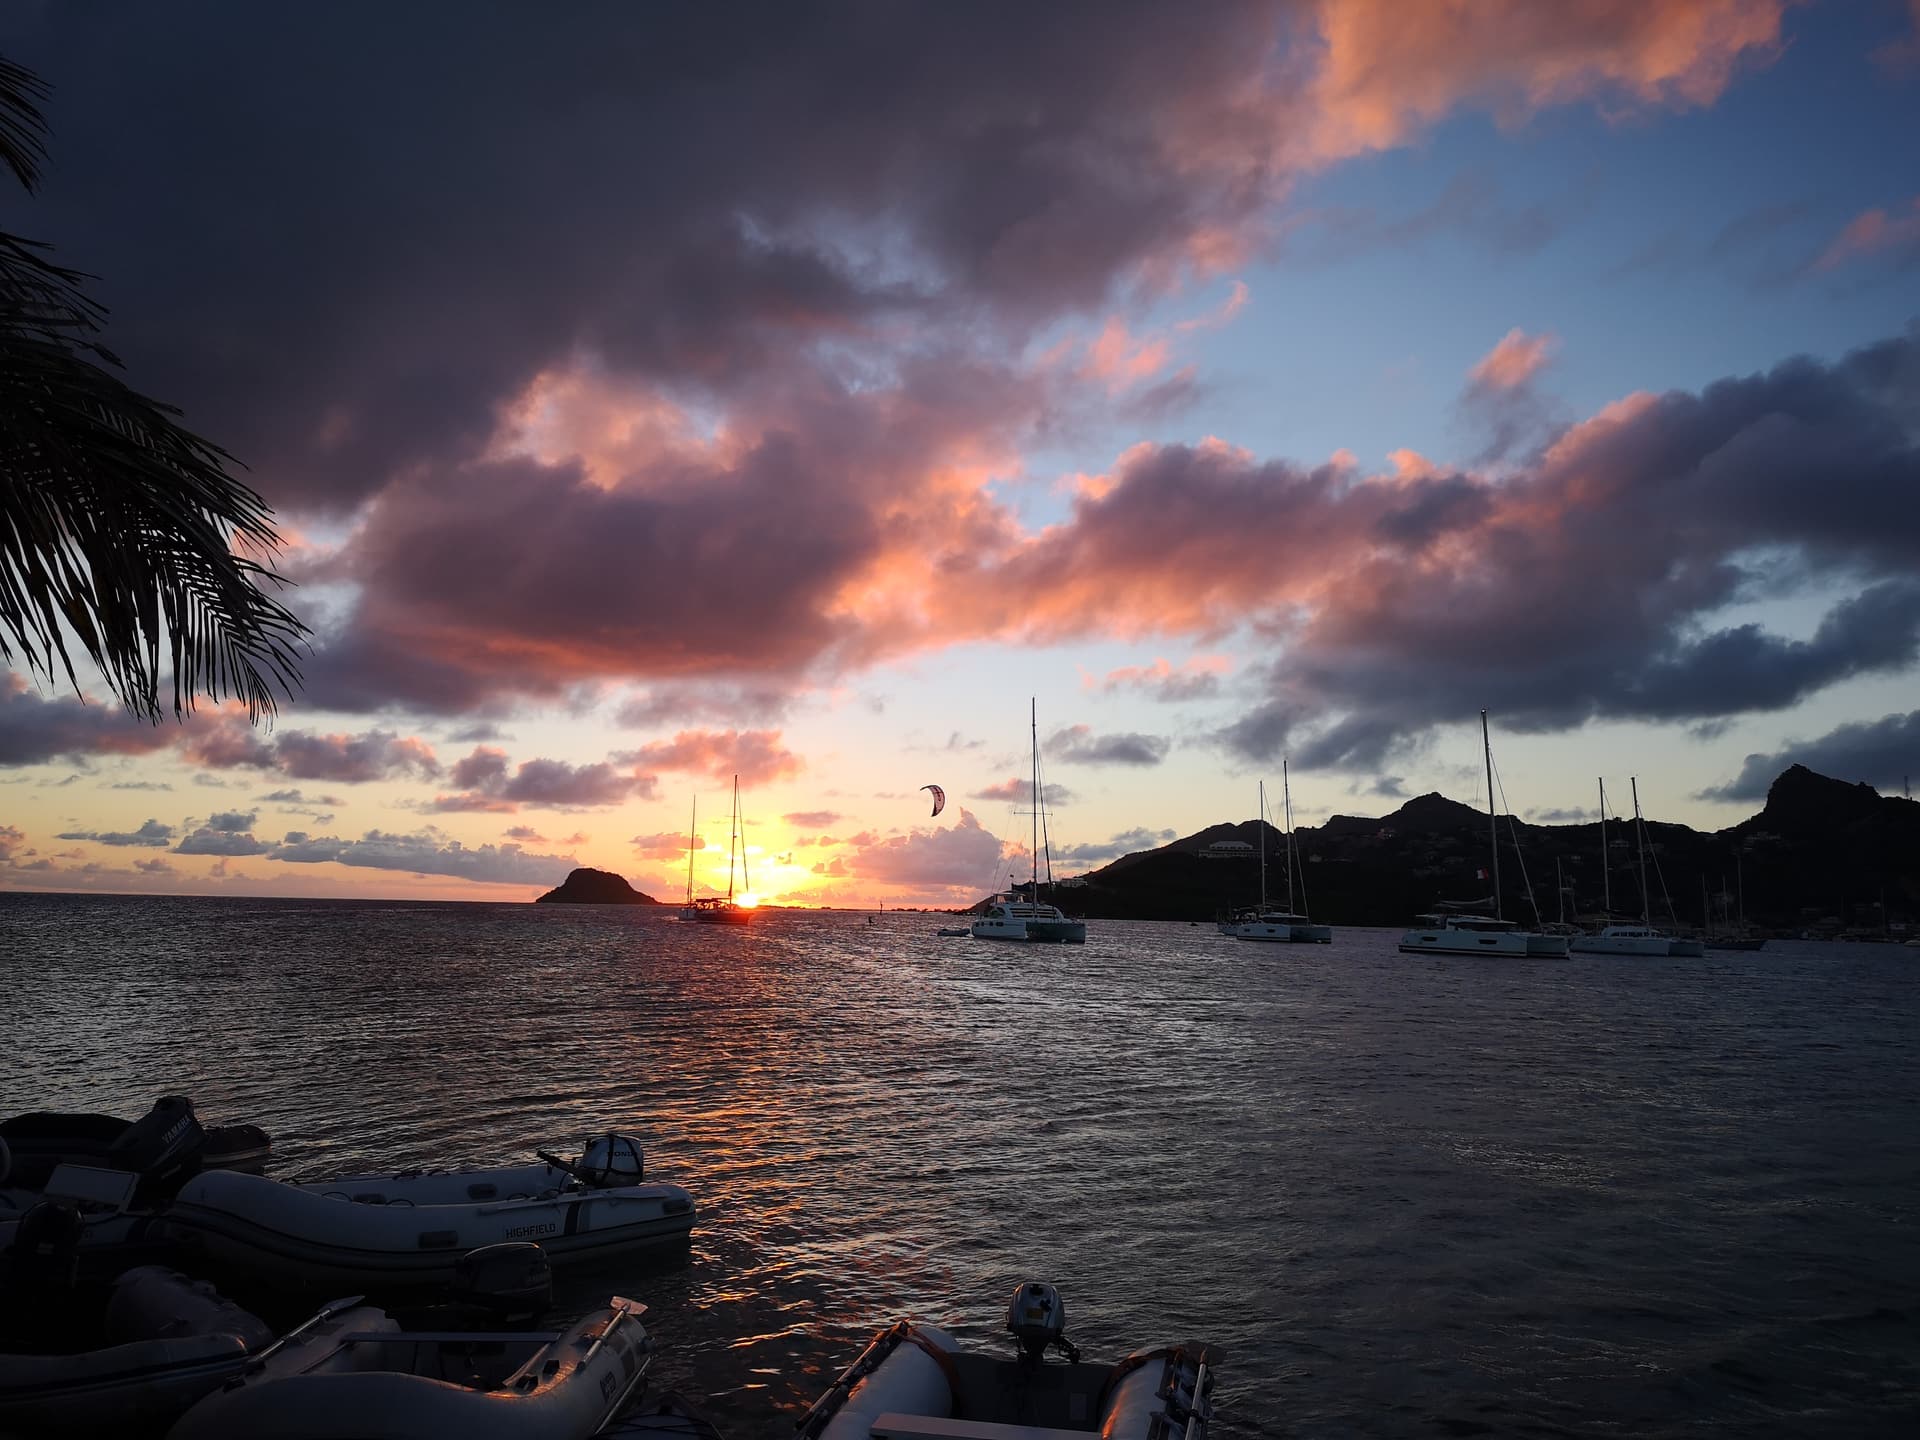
x=747, y=902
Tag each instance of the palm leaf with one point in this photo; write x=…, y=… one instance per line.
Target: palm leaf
x=118, y=526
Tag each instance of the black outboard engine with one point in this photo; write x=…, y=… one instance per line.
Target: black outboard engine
x=510, y=1283
x=611, y=1159
x=162, y=1147
x=1036, y=1319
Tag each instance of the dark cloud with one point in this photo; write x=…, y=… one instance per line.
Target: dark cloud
x=1880, y=752
x=1021, y=792
x=703, y=704
x=1125, y=843
x=232, y=820
x=213, y=840
x=541, y=784
x=152, y=833
x=225, y=741
x=1078, y=745
x=1562, y=816
x=425, y=854
x=140, y=785
x=299, y=797
x=1591, y=583
x=35, y=730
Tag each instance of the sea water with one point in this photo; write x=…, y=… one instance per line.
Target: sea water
x=1405, y=1195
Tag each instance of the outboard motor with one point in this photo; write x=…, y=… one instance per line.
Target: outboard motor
x=511, y=1282
x=162, y=1147
x=1036, y=1319
x=611, y=1159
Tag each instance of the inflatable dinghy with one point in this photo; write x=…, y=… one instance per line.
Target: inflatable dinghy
x=914, y=1382
x=166, y=1143
x=408, y=1230
x=354, y=1371
x=161, y=1342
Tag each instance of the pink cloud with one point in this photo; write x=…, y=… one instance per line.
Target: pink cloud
x=1193, y=679
x=1874, y=232
x=1235, y=302
x=756, y=756
x=1122, y=359
x=1513, y=362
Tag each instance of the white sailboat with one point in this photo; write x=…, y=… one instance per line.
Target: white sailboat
x=1270, y=923
x=1462, y=934
x=724, y=910
x=1011, y=915
x=1641, y=939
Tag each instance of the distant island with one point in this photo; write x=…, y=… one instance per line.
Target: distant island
x=1823, y=857
x=594, y=887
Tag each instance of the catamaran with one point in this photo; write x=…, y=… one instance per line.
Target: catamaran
x=1463, y=934
x=1012, y=915
x=1270, y=923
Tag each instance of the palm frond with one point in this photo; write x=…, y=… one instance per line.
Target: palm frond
x=118, y=526
x=23, y=129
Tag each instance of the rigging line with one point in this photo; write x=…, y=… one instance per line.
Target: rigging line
x=1286, y=803
x=1673, y=916
x=1513, y=829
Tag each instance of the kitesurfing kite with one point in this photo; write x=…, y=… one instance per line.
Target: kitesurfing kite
x=939, y=797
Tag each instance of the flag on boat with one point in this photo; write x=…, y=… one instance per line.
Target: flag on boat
x=1479, y=874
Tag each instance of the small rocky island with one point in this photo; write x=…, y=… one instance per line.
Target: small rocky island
x=595, y=887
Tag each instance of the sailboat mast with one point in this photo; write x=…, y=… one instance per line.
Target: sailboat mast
x=1286, y=811
x=733, y=834
x=1033, y=720
x=693, y=834
x=1560, y=888
x=1606, y=878
x=746, y=880
x=1493, y=824
x=1640, y=841
x=1262, y=827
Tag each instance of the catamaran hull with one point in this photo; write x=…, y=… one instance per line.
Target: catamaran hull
x=1440, y=942
x=1658, y=946
x=1034, y=932
x=1280, y=934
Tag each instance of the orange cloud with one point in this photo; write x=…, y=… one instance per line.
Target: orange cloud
x=1513, y=362
x=756, y=756
x=1389, y=68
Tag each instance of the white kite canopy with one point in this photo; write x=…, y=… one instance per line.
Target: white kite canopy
x=939, y=797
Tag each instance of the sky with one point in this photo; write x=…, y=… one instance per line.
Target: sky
x=649, y=396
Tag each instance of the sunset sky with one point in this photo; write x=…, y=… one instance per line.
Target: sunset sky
x=650, y=394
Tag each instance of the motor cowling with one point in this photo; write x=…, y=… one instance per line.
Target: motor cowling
x=1037, y=1318
x=611, y=1159
x=162, y=1147
x=509, y=1281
